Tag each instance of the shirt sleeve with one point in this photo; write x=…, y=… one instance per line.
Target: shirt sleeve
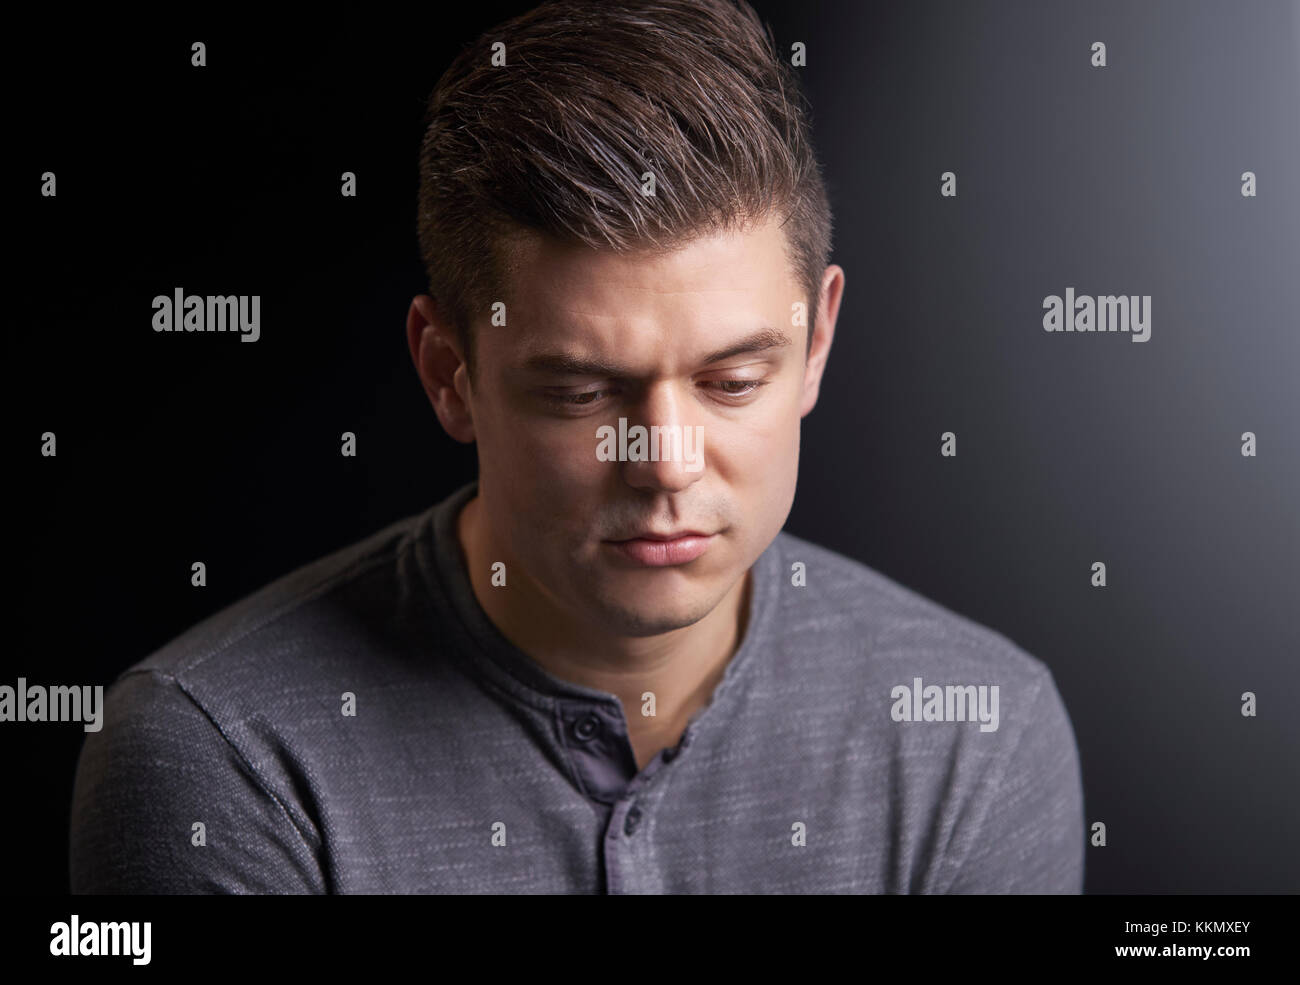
x=1031, y=839
x=158, y=767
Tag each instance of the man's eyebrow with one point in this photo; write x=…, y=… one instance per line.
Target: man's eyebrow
x=564, y=364
x=760, y=341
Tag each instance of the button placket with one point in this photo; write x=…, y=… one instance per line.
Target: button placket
x=632, y=820
x=586, y=727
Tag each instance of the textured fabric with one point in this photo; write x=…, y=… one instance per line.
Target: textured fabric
x=467, y=768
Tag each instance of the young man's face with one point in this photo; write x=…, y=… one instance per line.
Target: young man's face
x=660, y=328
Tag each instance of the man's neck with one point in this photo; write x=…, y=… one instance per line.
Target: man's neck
x=681, y=668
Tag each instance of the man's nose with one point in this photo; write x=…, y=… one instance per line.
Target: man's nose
x=665, y=442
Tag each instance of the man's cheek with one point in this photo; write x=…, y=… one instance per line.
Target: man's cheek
x=566, y=459
x=535, y=456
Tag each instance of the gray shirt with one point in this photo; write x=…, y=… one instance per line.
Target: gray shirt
x=826, y=761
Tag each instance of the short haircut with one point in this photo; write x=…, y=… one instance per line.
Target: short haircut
x=593, y=94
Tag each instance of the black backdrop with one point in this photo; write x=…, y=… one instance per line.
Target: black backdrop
x=1072, y=448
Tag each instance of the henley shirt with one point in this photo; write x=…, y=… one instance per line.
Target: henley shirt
x=230, y=762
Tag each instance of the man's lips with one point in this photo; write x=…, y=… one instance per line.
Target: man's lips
x=660, y=550
x=651, y=535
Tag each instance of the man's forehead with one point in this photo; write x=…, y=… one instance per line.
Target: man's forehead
x=712, y=268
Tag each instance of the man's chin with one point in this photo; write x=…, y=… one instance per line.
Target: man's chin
x=634, y=617
x=641, y=626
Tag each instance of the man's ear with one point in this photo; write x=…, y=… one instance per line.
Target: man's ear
x=440, y=363
x=832, y=290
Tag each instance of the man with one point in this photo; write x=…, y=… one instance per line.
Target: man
x=602, y=666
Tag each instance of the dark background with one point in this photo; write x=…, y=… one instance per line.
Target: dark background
x=1072, y=448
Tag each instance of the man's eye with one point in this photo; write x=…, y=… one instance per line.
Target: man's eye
x=749, y=385
x=728, y=388
x=575, y=399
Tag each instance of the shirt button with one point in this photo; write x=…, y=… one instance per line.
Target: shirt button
x=586, y=727
x=632, y=820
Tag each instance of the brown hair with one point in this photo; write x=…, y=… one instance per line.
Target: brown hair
x=593, y=94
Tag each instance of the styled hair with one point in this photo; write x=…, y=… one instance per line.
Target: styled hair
x=593, y=94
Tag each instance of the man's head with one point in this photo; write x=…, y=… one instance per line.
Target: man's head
x=565, y=298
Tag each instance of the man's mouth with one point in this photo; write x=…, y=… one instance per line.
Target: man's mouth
x=653, y=535
x=660, y=549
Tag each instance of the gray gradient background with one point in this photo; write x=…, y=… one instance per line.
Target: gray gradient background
x=1072, y=448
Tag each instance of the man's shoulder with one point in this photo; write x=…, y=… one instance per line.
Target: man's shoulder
x=228, y=712
x=828, y=595
x=971, y=721
x=314, y=607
